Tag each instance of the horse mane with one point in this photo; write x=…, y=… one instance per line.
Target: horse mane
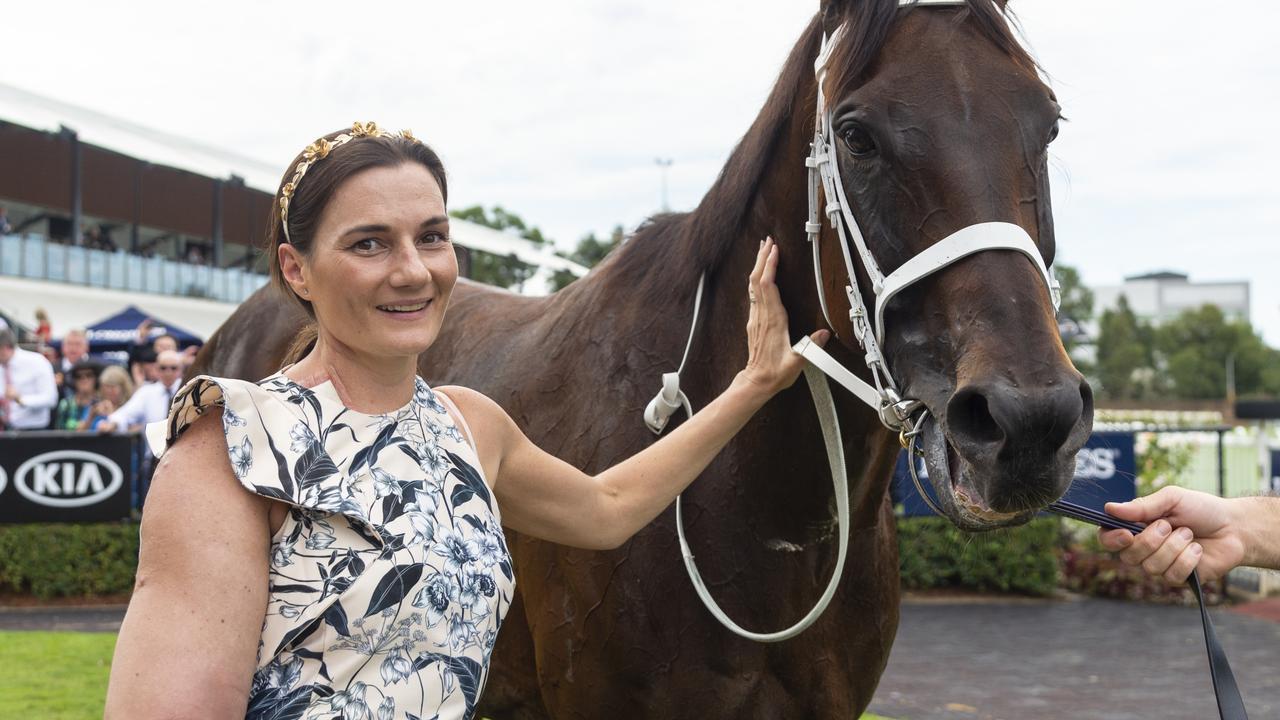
x=683, y=245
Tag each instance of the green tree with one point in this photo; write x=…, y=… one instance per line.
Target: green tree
x=506, y=272
x=1074, y=312
x=1077, y=298
x=1125, y=357
x=590, y=251
x=1194, y=348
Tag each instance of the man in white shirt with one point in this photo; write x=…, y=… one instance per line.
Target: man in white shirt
x=27, y=388
x=151, y=402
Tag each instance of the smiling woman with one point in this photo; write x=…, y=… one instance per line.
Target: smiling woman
x=366, y=565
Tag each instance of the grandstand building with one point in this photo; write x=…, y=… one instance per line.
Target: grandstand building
x=101, y=213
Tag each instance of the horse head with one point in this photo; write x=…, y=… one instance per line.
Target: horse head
x=941, y=121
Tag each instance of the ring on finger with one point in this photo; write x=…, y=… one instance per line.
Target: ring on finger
x=751, y=295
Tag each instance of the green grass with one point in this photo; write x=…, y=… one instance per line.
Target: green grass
x=54, y=675
x=63, y=675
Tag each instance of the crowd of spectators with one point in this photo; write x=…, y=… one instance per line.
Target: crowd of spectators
x=48, y=389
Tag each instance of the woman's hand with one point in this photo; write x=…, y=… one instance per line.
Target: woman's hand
x=771, y=363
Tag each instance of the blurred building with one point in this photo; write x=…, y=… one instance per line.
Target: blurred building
x=134, y=216
x=1161, y=296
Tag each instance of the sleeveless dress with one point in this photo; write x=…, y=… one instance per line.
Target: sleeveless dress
x=390, y=576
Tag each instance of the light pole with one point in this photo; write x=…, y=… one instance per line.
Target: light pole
x=663, y=165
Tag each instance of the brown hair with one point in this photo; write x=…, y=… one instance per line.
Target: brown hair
x=313, y=193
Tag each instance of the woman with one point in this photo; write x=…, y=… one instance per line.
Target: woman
x=364, y=573
x=74, y=409
x=116, y=388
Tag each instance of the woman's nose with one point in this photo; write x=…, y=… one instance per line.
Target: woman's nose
x=410, y=270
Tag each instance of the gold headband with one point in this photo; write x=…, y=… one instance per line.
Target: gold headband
x=319, y=150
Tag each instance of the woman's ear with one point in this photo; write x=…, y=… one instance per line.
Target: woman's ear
x=293, y=268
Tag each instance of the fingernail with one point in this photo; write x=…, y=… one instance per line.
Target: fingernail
x=1185, y=533
x=1163, y=528
x=1196, y=550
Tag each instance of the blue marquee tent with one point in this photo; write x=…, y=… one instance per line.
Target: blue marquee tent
x=116, y=333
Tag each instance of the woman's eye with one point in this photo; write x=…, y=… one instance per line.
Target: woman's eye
x=858, y=140
x=365, y=245
x=432, y=239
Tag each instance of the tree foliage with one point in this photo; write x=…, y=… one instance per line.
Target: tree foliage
x=1196, y=347
x=1074, y=313
x=1124, y=353
x=1186, y=357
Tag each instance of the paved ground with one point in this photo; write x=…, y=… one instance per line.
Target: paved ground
x=97, y=618
x=1094, y=659
x=1010, y=660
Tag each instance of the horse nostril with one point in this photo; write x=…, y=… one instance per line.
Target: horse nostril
x=969, y=416
x=1086, y=397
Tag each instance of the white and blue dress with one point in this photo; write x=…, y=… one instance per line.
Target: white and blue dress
x=390, y=576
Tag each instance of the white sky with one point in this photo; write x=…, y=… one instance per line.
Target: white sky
x=557, y=109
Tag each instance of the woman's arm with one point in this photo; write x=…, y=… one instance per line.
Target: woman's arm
x=189, y=642
x=545, y=497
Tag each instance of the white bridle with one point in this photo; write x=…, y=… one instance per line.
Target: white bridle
x=894, y=411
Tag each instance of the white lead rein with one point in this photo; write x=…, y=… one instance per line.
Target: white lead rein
x=671, y=398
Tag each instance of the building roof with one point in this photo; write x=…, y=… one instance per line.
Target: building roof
x=28, y=109
x=1159, y=275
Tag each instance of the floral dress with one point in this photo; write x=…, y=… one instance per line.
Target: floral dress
x=390, y=576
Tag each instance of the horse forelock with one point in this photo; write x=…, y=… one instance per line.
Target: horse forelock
x=868, y=24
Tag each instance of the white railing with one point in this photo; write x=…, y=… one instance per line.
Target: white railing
x=35, y=258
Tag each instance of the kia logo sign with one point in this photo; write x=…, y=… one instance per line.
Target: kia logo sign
x=4, y=480
x=67, y=478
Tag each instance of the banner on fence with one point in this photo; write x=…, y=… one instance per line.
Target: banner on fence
x=1106, y=471
x=65, y=477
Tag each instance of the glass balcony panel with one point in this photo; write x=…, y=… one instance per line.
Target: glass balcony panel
x=55, y=262
x=11, y=255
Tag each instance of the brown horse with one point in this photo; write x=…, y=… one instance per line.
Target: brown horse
x=943, y=122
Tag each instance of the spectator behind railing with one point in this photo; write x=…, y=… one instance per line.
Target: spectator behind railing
x=51, y=354
x=115, y=388
x=151, y=402
x=75, y=347
x=27, y=388
x=44, y=331
x=5, y=227
x=74, y=409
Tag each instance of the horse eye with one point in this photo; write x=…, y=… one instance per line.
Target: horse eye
x=1053, y=132
x=858, y=140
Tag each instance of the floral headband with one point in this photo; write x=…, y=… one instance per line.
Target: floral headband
x=319, y=150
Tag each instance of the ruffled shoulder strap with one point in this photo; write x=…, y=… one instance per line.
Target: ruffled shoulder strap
x=258, y=425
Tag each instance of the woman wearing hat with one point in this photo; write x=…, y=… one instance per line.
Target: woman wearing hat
x=74, y=408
